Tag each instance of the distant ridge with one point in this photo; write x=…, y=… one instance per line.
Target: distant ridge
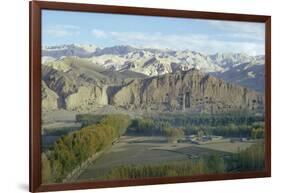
x=237, y=68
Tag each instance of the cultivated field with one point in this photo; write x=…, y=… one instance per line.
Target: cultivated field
x=148, y=150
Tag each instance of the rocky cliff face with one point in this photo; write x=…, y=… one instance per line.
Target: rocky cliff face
x=75, y=91
x=187, y=91
x=49, y=98
x=87, y=98
x=85, y=88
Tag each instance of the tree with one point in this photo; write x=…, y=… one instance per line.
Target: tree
x=257, y=133
x=46, y=169
x=73, y=149
x=215, y=164
x=173, y=134
x=200, y=133
x=251, y=159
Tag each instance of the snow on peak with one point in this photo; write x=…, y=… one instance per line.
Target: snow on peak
x=152, y=61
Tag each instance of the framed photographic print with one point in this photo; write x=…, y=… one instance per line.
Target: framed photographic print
x=123, y=96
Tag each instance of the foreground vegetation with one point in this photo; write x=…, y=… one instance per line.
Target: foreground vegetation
x=72, y=150
x=251, y=159
x=207, y=165
x=100, y=132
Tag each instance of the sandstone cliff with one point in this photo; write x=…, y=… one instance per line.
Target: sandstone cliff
x=187, y=91
x=83, y=88
x=87, y=98
x=49, y=98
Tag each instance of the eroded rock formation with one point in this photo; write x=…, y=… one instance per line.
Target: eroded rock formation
x=87, y=98
x=49, y=98
x=187, y=91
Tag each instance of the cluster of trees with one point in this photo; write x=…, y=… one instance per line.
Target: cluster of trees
x=257, y=133
x=211, y=119
x=228, y=127
x=152, y=127
x=148, y=126
x=206, y=165
x=73, y=149
x=173, y=134
x=251, y=159
x=254, y=131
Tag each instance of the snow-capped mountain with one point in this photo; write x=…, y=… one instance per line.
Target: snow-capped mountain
x=248, y=73
x=68, y=50
x=151, y=62
x=238, y=68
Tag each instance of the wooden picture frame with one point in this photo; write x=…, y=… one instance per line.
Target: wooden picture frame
x=35, y=92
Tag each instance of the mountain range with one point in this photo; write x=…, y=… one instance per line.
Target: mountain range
x=237, y=68
x=87, y=78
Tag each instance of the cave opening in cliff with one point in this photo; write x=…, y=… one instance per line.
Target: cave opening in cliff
x=187, y=100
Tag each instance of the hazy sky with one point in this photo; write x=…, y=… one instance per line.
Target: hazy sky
x=206, y=36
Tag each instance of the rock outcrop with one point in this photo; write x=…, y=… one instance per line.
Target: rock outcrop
x=128, y=95
x=49, y=98
x=188, y=91
x=87, y=99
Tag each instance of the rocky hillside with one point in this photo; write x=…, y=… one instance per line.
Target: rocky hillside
x=49, y=98
x=188, y=91
x=249, y=73
x=237, y=68
x=77, y=84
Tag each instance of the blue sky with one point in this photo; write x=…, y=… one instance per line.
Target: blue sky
x=206, y=36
